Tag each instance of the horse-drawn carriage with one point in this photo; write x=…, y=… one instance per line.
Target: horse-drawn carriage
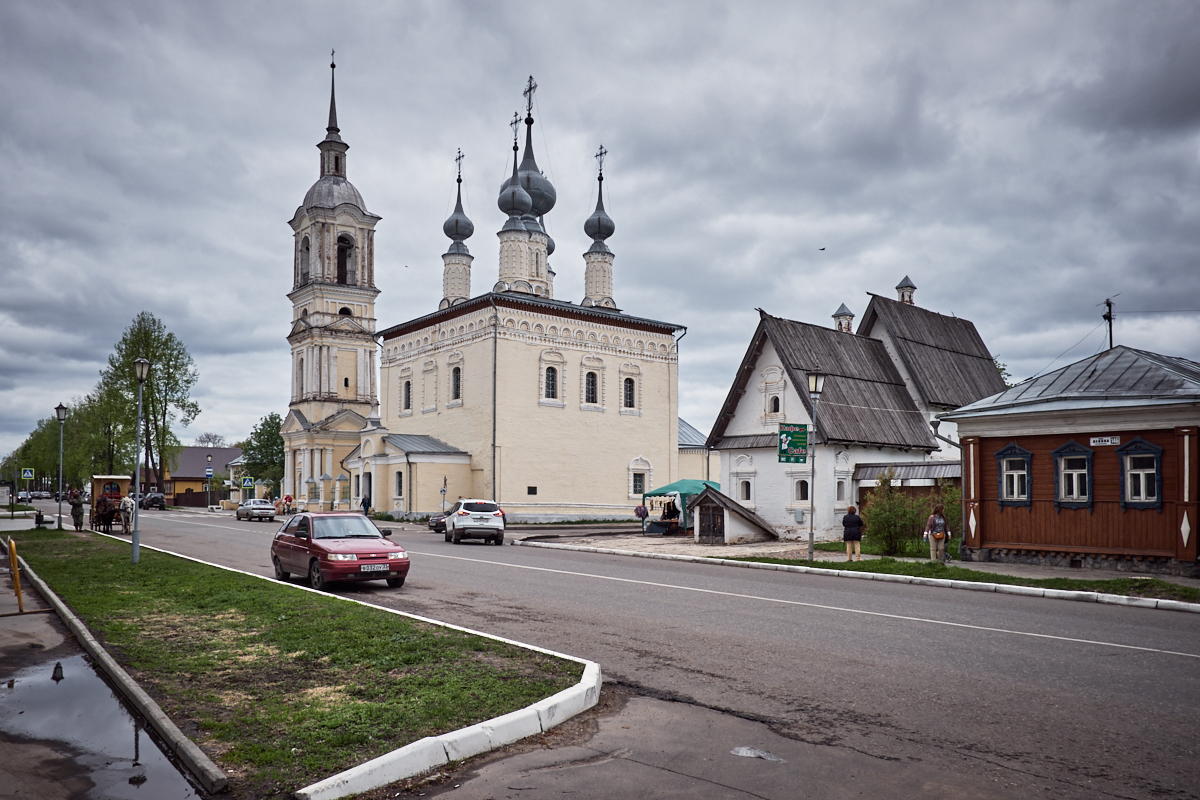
x=107, y=491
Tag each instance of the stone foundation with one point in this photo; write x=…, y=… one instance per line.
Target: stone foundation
x=1151, y=565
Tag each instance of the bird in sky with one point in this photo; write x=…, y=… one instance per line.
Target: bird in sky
x=820, y=248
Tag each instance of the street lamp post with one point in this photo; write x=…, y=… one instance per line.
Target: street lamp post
x=142, y=368
x=816, y=384
x=208, y=482
x=61, y=412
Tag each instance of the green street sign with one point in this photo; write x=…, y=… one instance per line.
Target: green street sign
x=247, y=483
x=26, y=474
x=793, y=443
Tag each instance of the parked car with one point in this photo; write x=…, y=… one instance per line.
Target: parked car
x=41, y=495
x=437, y=522
x=154, y=500
x=337, y=546
x=475, y=519
x=256, y=509
x=23, y=497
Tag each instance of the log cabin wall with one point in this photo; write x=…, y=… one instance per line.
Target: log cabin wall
x=1105, y=528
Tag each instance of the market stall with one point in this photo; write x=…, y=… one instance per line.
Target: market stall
x=681, y=491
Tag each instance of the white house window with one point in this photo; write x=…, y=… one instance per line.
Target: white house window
x=1141, y=476
x=1074, y=478
x=841, y=491
x=744, y=491
x=774, y=405
x=801, y=491
x=591, y=394
x=551, y=383
x=1016, y=479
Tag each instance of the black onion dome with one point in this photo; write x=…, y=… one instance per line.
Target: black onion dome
x=458, y=226
x=514, y=200
x=549, y=238
x=599, y=225
x=541, y=191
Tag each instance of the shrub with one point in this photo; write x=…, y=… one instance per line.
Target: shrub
x=893, y=520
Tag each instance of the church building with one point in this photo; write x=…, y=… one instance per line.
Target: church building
x=556, y=409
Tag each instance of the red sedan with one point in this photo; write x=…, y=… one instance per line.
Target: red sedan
x=337, y=546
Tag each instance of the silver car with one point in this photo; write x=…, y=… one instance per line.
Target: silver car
x=475, y=519
x=256, y=509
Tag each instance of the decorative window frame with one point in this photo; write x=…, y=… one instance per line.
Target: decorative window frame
x=641, y=464
x=551, y=358
x=772, y=386
x=1140, y=447
x=633, y=372
x=429, y=373
x=794, y=473
x=843, y=477
x=1013, y=450
x=1073, y=449
x=743, y=469
x=594, y=364
x=455, y=361
x=406, y=376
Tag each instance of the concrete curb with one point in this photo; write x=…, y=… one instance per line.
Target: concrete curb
x=192, y=757
x=434, y=751
x=974, y=586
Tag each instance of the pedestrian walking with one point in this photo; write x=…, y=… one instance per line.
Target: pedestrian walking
x=287, y=504
x=366, y=505
x=852, y=528
x=937, y=533
x=76, y=501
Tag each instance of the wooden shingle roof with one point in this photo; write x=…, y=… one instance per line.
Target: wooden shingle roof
x=947, y=360
x=864, y=399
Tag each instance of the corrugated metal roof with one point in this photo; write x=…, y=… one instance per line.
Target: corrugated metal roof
x=946, y=358
x=689, y=436
x=1119, y=376
x=864, y=399
x=909, y=472
x=418, y=443
x=746, y=442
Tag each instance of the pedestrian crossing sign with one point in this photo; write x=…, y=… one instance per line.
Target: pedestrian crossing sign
x=26, y=473
x=247, y=483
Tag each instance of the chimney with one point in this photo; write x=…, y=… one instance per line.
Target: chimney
x=843, y=319
x=905, y=289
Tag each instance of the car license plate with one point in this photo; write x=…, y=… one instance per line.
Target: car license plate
x=481, y=519
x=372, y=567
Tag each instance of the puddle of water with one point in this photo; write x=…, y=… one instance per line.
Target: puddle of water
x=80, y=711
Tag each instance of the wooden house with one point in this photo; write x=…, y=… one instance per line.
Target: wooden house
x=1093, y=465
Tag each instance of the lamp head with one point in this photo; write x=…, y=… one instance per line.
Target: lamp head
x=816, y=382
x=209, y=458
x=60, y=411
x=142, y=368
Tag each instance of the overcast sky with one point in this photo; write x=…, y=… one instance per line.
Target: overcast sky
x=1020, y=161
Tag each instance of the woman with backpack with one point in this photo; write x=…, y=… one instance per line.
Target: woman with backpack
x=937, y=533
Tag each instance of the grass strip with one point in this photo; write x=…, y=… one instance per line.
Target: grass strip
x=1132, y=587
x=281, y=686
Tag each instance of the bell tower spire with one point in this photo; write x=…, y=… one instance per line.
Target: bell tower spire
x=456, y=261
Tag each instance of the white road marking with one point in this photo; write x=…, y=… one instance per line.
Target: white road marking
x=815, y=605
x=270, y=529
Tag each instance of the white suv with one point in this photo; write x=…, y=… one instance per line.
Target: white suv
x=475, y=519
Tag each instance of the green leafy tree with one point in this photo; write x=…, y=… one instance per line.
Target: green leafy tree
x=893, y=520
x=262, y=452
x=167, y=392
x=1005, y=375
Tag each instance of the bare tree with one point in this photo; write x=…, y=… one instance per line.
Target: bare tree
x=210, y=439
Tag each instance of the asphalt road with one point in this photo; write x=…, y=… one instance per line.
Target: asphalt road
x=1032, y=697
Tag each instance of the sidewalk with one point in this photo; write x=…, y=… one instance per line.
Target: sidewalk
x=685, y=546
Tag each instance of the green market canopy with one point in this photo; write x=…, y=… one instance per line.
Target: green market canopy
x=685, y=489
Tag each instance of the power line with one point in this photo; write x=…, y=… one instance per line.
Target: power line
x=1069, y=349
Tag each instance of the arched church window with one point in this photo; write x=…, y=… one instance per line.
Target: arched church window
x=551, y=383
x=456, y=383
x=337, y=163
x=629, y=393
x=303, y=312
x=801, y=491
x=774, y=405
x=305, y=253
x=590, y=395
x=408, y=395
x=744, y=490
x=345, y=312
x=345, y=259
x=300, y=376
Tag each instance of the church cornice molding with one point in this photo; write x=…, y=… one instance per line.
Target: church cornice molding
x=333, y=288
x=304, y=217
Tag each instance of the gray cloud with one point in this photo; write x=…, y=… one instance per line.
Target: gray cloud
x=1020, y=162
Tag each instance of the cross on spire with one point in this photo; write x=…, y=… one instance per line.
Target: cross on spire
x=516, y=123
x=458, y=159
x=600, y=154
x=530, y=88
x=332, y=65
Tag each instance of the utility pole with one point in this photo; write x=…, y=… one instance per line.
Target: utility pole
x=1108, y=317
